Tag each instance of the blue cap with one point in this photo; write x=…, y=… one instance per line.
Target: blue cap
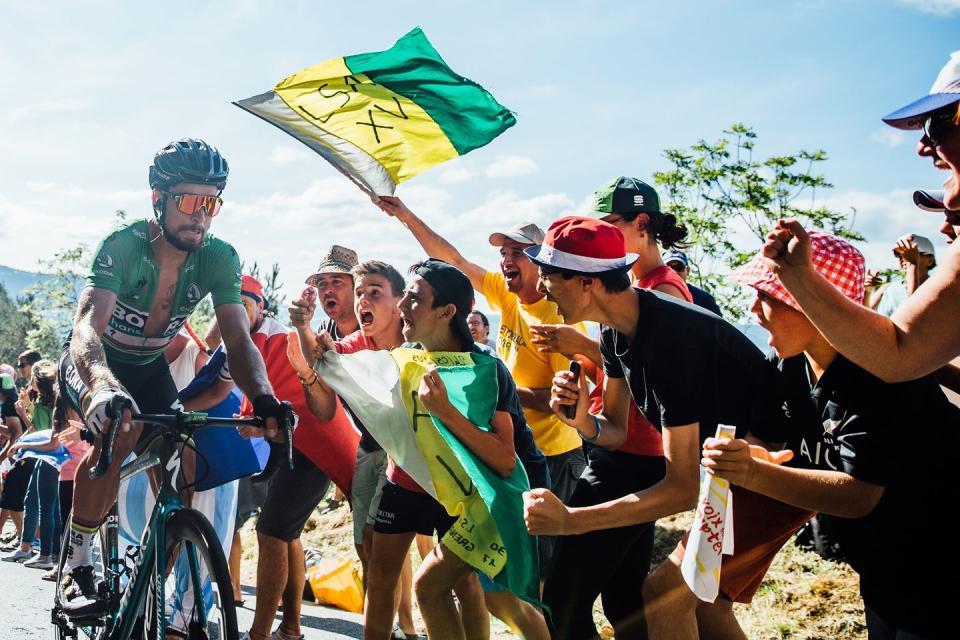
x=675, y=255
x=944, y=92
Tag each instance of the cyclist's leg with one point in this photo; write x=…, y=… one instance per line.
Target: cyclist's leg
x=91, y=498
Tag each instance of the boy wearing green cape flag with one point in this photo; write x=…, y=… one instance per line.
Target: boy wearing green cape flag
x=445, y=413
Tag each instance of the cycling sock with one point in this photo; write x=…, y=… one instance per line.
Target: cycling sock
x=80, y=551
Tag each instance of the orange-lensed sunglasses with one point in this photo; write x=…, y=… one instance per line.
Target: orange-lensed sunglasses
x=191, y=203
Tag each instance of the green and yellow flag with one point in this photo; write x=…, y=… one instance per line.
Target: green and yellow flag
x=381, y=388
x=382, y=118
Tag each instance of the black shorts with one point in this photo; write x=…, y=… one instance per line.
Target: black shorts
x=15, y=485
x=404, y=511
x=292, y=495
x=150, y=385
x=250, y=498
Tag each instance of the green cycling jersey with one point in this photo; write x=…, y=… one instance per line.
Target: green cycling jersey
x=124, y=264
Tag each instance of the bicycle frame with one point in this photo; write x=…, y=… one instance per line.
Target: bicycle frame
x=162, y=452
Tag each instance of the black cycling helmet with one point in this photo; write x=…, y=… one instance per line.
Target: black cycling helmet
x=188, y=160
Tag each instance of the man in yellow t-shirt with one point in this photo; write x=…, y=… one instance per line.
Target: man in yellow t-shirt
x=513, y=291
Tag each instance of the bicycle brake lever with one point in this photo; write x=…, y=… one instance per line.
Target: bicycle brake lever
x=115, y=412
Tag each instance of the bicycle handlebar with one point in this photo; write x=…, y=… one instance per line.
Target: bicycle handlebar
x=182, y=422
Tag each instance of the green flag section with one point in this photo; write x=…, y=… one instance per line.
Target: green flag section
x=381, y=388
x=382, y=118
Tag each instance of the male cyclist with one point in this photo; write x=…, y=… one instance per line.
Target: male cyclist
x=145, y=280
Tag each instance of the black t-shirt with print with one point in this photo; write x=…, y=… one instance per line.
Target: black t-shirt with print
x=899, y=436
x=687, y=365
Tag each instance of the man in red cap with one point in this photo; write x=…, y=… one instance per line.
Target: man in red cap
x=686, y=369
x=850, y=457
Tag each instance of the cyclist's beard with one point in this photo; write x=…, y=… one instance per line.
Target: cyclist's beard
x=193, y=244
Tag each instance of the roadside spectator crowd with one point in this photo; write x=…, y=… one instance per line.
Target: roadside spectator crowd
x=845, y=419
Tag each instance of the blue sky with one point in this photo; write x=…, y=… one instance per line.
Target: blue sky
x=599, y=88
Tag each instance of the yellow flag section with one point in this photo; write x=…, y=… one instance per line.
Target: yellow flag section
x=381, y=118
x=381, y=388
x=381, y=123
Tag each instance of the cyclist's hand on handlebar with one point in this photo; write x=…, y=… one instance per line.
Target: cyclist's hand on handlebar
x=275, y=416
x=100, y=413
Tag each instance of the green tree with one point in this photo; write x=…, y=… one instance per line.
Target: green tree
x=13, y=329
x=51, y=303
x=730, y=201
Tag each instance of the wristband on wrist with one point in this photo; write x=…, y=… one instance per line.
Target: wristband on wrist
x=312, y=382
x=596, y=436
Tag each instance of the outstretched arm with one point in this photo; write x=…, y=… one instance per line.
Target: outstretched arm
x=915, y=341
x=435, y=245
x=321, y=399
x=676, y=492
x=753, y=468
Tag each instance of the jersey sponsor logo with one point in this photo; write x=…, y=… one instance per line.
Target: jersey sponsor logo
x=105, y=261
x=194, y=293
x=125, y=331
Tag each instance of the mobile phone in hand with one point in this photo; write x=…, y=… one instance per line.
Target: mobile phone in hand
x=570, y=410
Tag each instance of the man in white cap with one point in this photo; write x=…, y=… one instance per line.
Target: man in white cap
x=920, y=336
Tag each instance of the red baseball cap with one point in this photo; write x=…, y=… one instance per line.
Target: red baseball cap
x=834, y=258
x=251, y=287
x=584, y=245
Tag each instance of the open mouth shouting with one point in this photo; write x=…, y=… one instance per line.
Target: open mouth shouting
x=330, y=304
x=366, y=318
x=511, y=275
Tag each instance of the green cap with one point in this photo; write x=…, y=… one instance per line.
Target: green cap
x=6, y=382
x=625, y=195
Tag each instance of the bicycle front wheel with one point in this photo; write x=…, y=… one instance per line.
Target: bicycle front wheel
x=201, y=603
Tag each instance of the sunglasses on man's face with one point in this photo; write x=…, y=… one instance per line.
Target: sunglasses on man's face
x=191, y=203
x=937, y=126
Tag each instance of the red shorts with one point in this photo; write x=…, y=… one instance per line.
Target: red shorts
x=761, y=526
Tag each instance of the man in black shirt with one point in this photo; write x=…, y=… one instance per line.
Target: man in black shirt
x=862, y=451
x=686, y=368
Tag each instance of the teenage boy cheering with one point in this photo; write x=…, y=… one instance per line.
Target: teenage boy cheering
x=710, y=373
x=861, y=452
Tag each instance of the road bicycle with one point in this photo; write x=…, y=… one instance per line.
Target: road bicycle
x=135, y=588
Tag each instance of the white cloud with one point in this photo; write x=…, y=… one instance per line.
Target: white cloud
x=295, y=229
x=285, y=154
x=938, y=7
x=889, y=136
x=512, y=167
x=456, y=175
x=46, y=107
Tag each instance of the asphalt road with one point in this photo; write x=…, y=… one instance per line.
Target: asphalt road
x=25, y=602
